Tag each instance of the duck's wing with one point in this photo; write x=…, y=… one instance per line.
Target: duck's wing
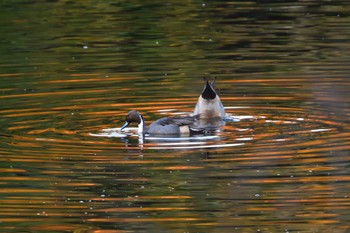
x=180, y=121
x=187, y=120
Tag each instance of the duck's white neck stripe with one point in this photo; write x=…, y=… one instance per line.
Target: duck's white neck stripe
x=141, y=125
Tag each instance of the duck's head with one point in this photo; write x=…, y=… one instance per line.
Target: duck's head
x=132, y=117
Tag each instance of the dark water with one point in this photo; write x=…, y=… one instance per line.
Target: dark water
x=71, y=69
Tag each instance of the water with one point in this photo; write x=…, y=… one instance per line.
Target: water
x=71, y=70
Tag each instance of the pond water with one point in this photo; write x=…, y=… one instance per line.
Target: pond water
x=71, y=70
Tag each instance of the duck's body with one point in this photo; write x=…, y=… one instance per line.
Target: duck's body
x=209, y=105
x=162, y=126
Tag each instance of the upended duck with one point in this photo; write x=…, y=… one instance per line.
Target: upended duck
x=209, y=105
x=162, y=126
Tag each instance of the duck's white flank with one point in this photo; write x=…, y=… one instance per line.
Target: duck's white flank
x=184, y=129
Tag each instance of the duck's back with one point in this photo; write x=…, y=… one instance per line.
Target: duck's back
x=175, y=125
x=163, y=126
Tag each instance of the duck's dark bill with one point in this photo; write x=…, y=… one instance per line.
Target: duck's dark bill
x=124, y=126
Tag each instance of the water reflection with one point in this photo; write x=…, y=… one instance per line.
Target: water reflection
x=273, y=160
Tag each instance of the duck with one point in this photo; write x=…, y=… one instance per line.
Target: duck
x=209, y=105
x=162, y=126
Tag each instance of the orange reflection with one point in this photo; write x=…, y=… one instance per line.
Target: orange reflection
x=177, y=168
x=178, y=219
x=141, y=198
x=133, y=209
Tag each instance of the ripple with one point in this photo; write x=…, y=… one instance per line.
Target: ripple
x=246, y=124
